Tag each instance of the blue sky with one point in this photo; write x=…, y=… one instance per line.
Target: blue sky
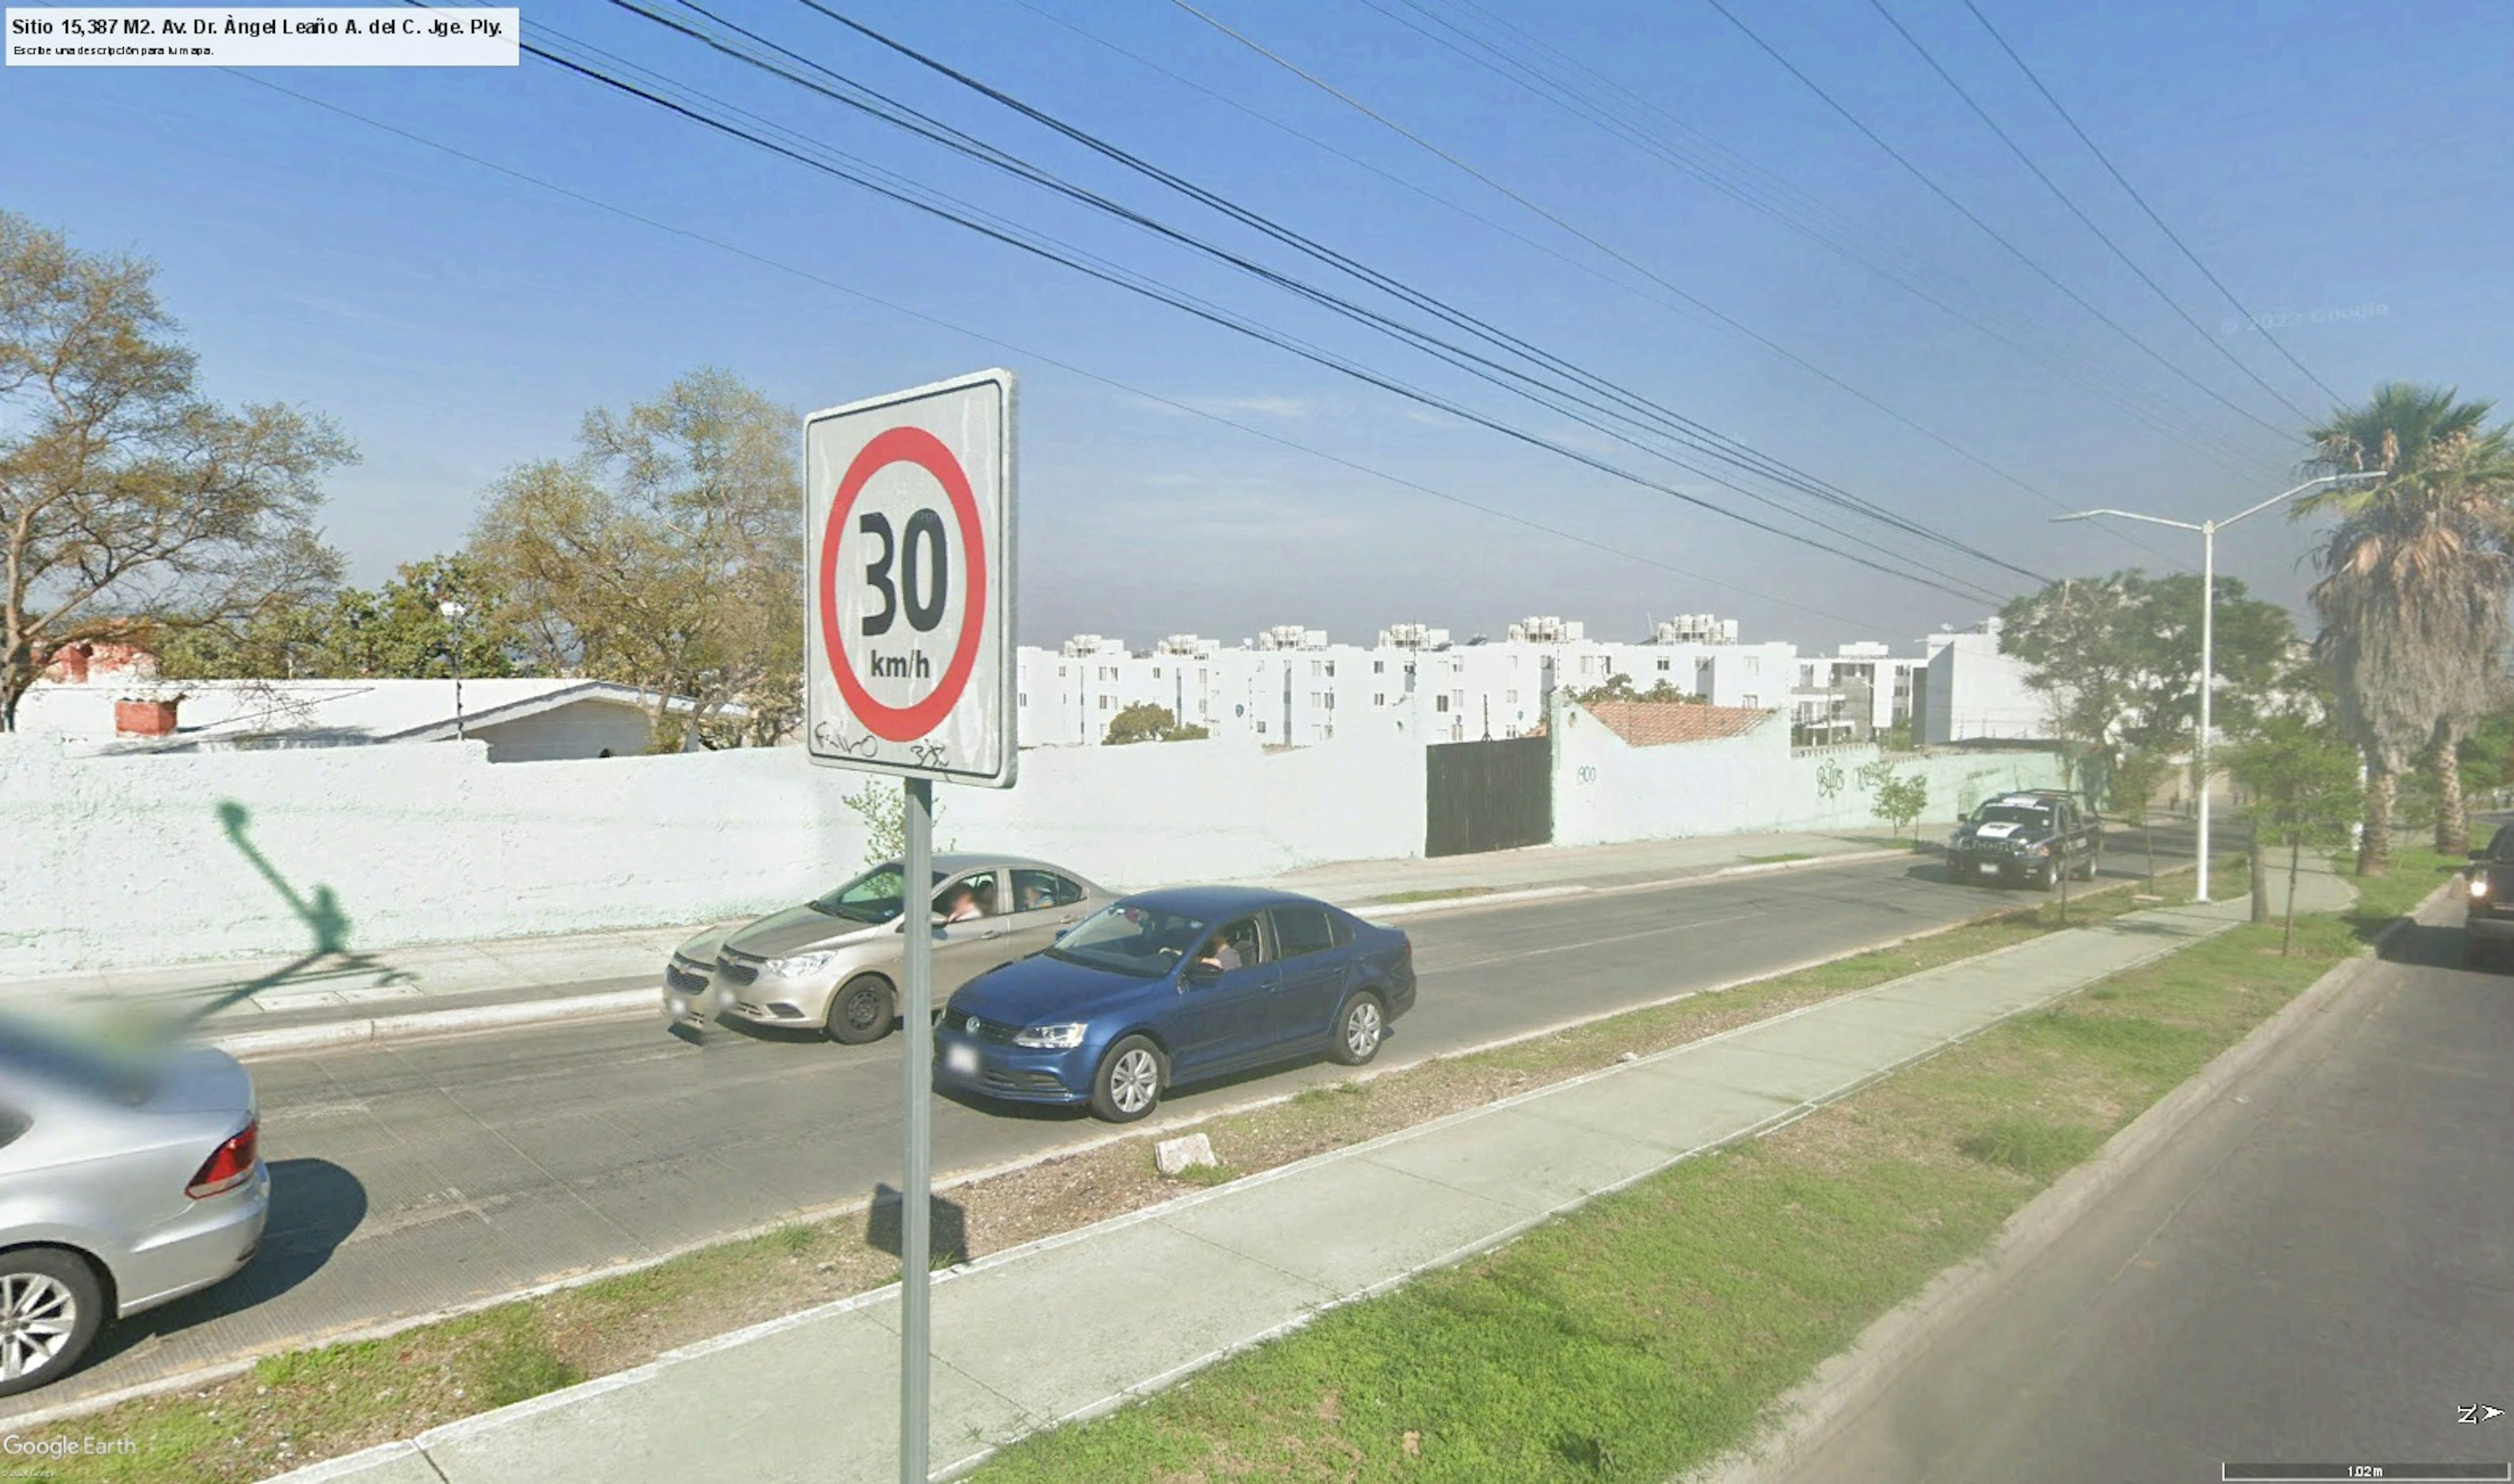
x=2344, y=173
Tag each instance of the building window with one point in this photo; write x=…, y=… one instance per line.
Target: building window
x=1330, y=700
x=1440, y=703
x=1330, y=669
x=1059, y=672
x=1754, y=665
x=1379, y=666
x=1025, y=697
x=1157, y=672
x=1379, y=697
x=1317, y=668
x=1261, y=729
x=1509, y=697
x=1662, y=665
x=1753, y=699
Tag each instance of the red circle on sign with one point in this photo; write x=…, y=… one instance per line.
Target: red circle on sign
x=917, y=446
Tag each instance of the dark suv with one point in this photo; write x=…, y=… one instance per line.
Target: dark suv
x=2026, y=839
x=2488, y=900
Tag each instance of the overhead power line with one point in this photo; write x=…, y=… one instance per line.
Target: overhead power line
x=1238, y=325
x=1499, y=187
x=1785, y=204
x=1695, y=433
x=1993, y=233
x=2170, y=235
x=2064, y=198
x=1040, y=357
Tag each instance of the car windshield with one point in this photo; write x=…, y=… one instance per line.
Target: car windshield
x=872, y=896
x=2013, y=813
x=1129, y=938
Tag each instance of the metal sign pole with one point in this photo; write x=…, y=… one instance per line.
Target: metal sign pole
x=916, y=1192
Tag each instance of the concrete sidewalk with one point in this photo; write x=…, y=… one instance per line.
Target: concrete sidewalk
x=278, y=1003
x=1068, y=1327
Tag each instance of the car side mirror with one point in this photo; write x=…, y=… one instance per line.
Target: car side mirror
x=1198, y=972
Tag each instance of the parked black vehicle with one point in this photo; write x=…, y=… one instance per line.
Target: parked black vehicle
x=2026, y=839
x=2488, y=902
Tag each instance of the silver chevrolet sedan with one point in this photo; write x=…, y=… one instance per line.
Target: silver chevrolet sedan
x=125, y=1182
x=836, y=964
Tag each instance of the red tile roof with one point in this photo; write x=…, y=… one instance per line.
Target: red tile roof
x=1657, y=723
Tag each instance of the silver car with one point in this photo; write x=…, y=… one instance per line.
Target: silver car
x=123, y=1183
x=836, y=964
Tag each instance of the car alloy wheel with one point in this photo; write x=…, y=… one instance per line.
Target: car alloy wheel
x=1129, y=1083
x=50, y=1311
x=861, y=1012
x=1359, y=1029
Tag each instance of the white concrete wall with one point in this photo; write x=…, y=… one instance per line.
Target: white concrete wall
x=125, y=861
x=1607, y=792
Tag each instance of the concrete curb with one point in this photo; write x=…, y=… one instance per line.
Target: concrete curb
x=1851, y=1381
x=1662, y=883
x=620, y=1004
x=628, y=1003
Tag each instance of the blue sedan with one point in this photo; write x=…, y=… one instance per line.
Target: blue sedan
x=1175, y=986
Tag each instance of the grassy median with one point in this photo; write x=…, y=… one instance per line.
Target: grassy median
x=1648, y=1333
x=317, y=1403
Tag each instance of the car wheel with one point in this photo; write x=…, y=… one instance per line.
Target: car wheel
x=1359, y=1029
x=1128, y=1084
x=50, y=1307
x=2047, y=878
x=860, y=1011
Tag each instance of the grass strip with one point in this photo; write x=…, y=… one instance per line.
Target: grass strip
x=322, y=1402
x=1648, y=1332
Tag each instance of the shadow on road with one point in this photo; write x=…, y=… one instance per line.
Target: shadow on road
x=314, y=1207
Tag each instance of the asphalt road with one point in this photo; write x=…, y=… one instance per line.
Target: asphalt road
x=2320, y=1269
x=408, y=1179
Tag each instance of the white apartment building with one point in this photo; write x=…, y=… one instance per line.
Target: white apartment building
x=1969, y=691
x=1854, y=693
x=1291, y=685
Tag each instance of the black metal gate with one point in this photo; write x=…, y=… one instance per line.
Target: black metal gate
x=1487, y=795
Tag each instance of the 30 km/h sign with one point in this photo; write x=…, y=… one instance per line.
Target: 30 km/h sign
x=910, y=509
x=909, y=669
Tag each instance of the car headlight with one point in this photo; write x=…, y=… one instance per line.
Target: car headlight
x=800, y=964
x=2478, y=885
x=1051, y=1037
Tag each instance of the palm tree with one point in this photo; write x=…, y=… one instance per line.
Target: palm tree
x=2416, y=577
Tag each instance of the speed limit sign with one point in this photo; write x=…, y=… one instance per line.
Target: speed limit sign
x=909, y=501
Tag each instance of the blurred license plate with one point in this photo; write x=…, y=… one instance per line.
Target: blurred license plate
x=1990, y=868
x=960, y=1058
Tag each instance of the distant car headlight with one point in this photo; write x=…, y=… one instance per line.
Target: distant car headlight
x=1051, y=1037
x=2478, y=885
x=800, y=964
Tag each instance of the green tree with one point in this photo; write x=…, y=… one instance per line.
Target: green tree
x=1145, y=722
x=398, y=632
x=2412, y=593
x=2303, y=784
x=2131, y=788
x=1900, y=801
x=668, y=555
x=2119, y=658
x=132, y=508
x=1620, y=688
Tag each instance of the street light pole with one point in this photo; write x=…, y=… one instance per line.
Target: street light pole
x=2209, y=530
x=454, y=613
